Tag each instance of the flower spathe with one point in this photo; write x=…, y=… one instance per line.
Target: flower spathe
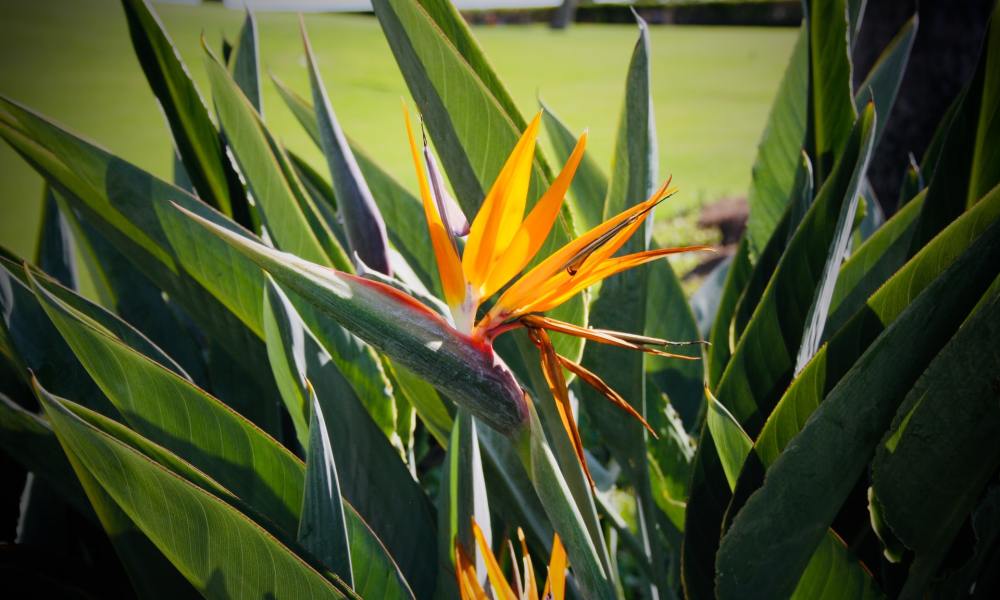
x=502, y=241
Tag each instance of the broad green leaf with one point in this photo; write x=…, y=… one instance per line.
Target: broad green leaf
x=197, y=140
x=402, y=211
x=556, y=497
x=286, y=350
x=32, y=344
x=174, y=413
x=473, y=131
x=363, y=223
x=28, y=439
x=368, y=465
x=751, y=381
x=833, y=573
x=767, y=260
x=122, y=203
x=186, y=420
x=768, y=546
x=219, y=288
x=719, y=350
x=844, y=348
x=623, y=303
x=245, y=62
x=882, y=82
x=670, y=462
x=151, y=574
x=453, y=25
x=205, y=537
x=932, y=465
x=763, y=360
x=827, y=281
x=463, y=498
x=872, y=264
x=831, y=102
x=134, y=298
x=289, y=215
x=777, y=162
x=590, y=185
x=731, y=442
x=322, y=526
x=969, y=164
x=56, y=250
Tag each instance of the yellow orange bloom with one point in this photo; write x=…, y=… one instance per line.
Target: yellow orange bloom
x=502, y=241
x=524, y=584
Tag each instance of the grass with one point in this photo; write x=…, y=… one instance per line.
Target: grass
x=72, y=60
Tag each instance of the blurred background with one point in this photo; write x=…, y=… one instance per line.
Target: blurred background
x=716, y=68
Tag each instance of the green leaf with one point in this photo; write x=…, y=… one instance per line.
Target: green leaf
x=623, y=303
x=56, y=252
x=28, y=439
x=402, y=211
x=827, y=281
x=197, y=140
x=763, y=360
x=833, y=573
x=589, y=186
x=767, y=260
x=932, y=465
x=566, y=518
x=670, y=462
x=882, y=82
x=769, y=545
x=463, y=497
x=737, y=278
x=289, y=215
x=245, y=63
x=122, y=203
x=151, y=574
x=322, y=527
x=286, y=350
x=32, y=344
x=362, y=221
x=831, y=102
x=748, y=386
x=872, y=264
x=206, y=538
x=174, y=413
x=731, y=442
x=134, y=298
x=777, y=162
x=883, y=308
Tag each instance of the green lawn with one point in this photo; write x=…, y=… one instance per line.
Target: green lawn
x=72, y=60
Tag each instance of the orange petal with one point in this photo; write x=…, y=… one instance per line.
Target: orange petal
x=465, y=573
x=527, y=287
x=500, y=586
x=529, y=569
x=557, y=385
x=449, y=266
x=566, y=287
x=502, y=210
x=558, y=562
x=536, y=226
x=598, y=384
x=602, y=336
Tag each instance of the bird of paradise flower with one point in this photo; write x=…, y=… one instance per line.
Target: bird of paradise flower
x=501, y=241
x=522, y=585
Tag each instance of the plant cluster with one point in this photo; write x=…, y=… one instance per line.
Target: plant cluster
x=305, y=384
